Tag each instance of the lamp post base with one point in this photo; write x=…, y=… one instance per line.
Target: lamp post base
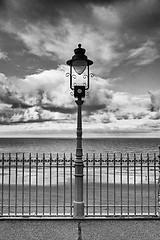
x=78, y=210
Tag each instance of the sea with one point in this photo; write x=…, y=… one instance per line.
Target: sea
x=112, y=147
x=90, y=146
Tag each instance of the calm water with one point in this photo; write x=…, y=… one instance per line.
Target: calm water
x=53, y=145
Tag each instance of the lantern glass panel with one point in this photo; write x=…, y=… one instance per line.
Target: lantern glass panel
x=79, y=66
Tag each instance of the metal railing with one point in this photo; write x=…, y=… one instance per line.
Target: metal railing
x=115, y=185
x=122, y=185
x=36, y=187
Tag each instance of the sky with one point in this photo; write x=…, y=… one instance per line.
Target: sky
x=121, y=37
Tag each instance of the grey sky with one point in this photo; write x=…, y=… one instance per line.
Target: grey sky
x=37, y=37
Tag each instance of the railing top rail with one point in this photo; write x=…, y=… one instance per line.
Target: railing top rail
x=102, y=158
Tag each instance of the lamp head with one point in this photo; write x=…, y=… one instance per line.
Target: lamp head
x=79, y=61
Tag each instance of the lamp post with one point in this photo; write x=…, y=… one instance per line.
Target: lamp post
x=79, y=63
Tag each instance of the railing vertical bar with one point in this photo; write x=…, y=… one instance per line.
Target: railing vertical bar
x=30, y=160
x=9, y=185
x=36, y=184
x=114, y=176
x=16, y=182
x=71, y=159
x=128, y=182
x=57, y=159
x=121, y=183
x=2, y=183
x=50, y=202
x=107, y=184
x=135, y=184
x=87, y=184
x=64, y=184
x=43, y=183
x=148, y=184
x=94, y=184
x=141, y=159
x=100, y=184
x=155, y=186
x=23, y=161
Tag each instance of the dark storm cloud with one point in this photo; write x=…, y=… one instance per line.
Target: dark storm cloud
x=140, y=16
x=49, y=10
x=19, y=104
x=12, y=99
x=34, y=22
x=30, y=11
x=39, y=10
x=8, y=121
x=2, y=5
x=52, y=108
x=155, y=101
x=7, y=116
x=93, y=108
x=6, y=113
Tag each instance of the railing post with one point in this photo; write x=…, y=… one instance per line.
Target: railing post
x=159, y=184
x=79, y=203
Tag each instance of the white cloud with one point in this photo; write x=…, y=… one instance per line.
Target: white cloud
x=145, y=54
x=42, y=94
x=107, y=15
x=3, y=55
x=48, y=86
x=3, y=78
x=129, y=104
x=45, y=96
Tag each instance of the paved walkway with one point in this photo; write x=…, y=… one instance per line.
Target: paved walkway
x=90, y=229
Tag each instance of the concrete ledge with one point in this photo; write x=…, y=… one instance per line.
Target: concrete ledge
x=68, y=229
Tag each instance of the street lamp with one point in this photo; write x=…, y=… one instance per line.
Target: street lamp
x=79, y=63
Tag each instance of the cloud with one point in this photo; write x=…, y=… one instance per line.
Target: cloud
x=3, y=55
x=113, y=32
x=155, y=101
x=98, y=35
x=145, y=54
x=104, y=111
x=104, y=14
x=100, y=49
x=120, y=110
x=45, y=97
x=141, y=17
x=104, y=32
x=127, y=113
x=40, y=96
x=51, y=11
x=9, y=95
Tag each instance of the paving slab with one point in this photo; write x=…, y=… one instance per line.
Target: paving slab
x=88, y=229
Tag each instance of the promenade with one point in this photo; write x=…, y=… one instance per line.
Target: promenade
x=90, y=229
